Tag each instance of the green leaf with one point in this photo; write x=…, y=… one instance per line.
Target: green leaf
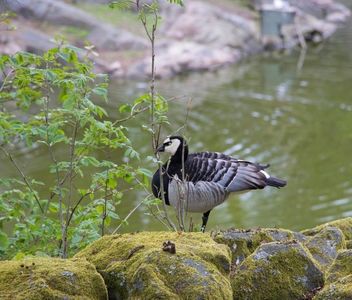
x=4, y=240
x=145, y=172
x=121, y=4
x=100, y=91
x=125, y=108
x=179, y=2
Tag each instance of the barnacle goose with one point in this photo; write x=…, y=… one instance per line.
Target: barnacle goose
x=208, y=177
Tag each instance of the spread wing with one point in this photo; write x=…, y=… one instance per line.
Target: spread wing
x=232, y=174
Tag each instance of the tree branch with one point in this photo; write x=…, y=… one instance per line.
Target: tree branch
x=23, y=177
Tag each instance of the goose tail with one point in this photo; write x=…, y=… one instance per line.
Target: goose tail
x=276, y=182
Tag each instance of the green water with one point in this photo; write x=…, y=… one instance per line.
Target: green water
x=268, y=111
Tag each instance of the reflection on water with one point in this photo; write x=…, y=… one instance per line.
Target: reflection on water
x=268, y=111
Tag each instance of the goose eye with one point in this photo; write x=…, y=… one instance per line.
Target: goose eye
x=168, y=144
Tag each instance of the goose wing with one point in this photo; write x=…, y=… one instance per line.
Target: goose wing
x=232, y=174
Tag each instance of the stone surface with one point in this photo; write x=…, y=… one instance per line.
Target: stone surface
x=188, y=46
x=135, y=266
x=277, y=270
x=339, y=279
x=345, y=225
x=341, y=267
x=262, y=263
x=182, y=57
x=244, y=242
x=338, y=290
x=102, y=35
x=50, y=278
x=199, y=36
x=325, y=244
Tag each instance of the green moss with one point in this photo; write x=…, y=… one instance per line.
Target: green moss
x=277, y=271
x=244, y=242
x=339, y=290
x=341, y=267
x=349, y=244
x=50, y=278
x=134, y=265
x=325, y=245
x=339, y=278
x=345, y=225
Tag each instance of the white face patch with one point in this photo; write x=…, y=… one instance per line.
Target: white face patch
x=172, y=148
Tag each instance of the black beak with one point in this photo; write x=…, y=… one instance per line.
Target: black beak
x=160, y=149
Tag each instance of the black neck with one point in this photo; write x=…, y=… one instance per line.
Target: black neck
x=181, y=154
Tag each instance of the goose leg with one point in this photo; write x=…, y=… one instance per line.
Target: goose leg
x=205, y=220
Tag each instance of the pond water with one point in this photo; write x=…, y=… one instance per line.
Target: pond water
x=267, y=110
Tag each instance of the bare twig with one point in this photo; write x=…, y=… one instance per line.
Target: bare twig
x=70, y=192
x=5, y=79
x=155, y=135
x=128, y=216
x=23, y=177
x=144, y=109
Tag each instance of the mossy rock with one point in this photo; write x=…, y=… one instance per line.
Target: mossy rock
x=338, y=290
x=325, y=244
x=244, y=242
x=50, y=279
x=341, y=267
x=349, y=244
x=339, y=278
x=345, y=225
x=277, y=270
x=135, y=266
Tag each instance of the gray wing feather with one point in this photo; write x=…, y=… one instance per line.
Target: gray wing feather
x=232, y=174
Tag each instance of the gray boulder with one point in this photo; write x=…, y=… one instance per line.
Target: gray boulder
x=57, y=12
x=277, y=270
x=339, y=279
x=325, y=245
x=244, y=242
x=200, y=37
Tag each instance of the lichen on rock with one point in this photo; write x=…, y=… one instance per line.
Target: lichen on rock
x=345, y=225
x=50, y=278
x=338, y=285
x=325, y=244
x=338, y=290
x=244, y=242
x=277, y=270
x=135, y=266
x=341, y=267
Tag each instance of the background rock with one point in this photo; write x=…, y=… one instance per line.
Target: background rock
x=104, y=36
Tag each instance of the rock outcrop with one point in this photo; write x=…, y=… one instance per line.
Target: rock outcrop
x=200, y=36
x=136, y=266
x=102, y=35
x=277, y=270
x=339, y=280
x=262, y=263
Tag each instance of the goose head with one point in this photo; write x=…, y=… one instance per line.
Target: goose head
x=176, y=146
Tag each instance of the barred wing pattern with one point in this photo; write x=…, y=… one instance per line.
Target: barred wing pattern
x=210, y=177
x=233, y=174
